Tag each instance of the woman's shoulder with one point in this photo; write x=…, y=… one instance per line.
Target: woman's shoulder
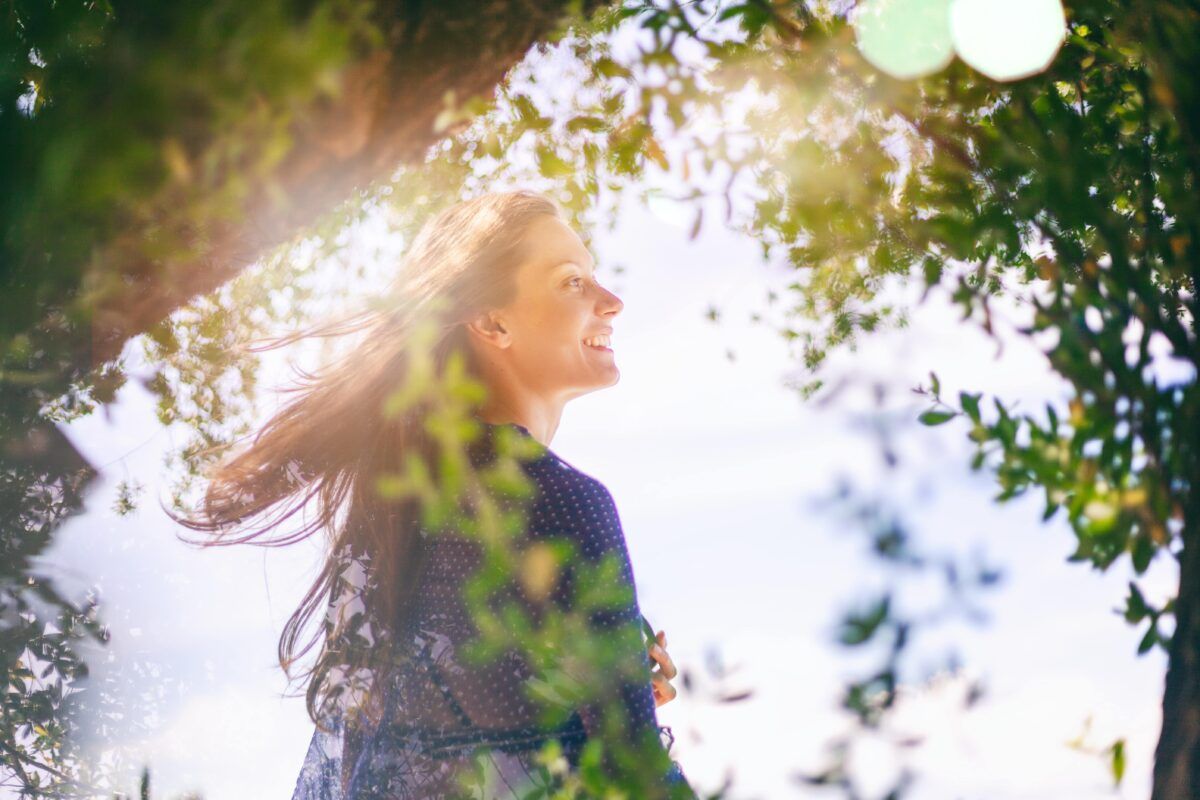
x=573, y=503
x=559, y=479
x=560, y=489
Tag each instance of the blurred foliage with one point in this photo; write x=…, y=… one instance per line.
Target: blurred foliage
x=1072, y=191
x=887, y=626
x=1113, y=755
x=141, y=125
x=122, y=122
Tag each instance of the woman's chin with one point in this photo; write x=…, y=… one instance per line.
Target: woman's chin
x=616, y=377
x=608, y=373
x=603, y=368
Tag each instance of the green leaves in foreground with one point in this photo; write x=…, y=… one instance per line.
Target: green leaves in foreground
x=1112, y=509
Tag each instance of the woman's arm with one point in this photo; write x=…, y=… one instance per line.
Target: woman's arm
x=599, y=576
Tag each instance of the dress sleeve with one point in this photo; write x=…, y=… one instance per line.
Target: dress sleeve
x=581, y=510
x=329, y=762
x=320, y=775
x=592, y=525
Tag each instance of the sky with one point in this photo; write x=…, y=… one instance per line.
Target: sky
x=713, y=464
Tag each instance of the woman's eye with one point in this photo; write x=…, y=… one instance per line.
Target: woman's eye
x=575, y=279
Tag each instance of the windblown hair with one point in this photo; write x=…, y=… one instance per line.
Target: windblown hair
x=332, y=442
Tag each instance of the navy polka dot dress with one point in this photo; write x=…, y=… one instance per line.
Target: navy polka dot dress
x=445, y=718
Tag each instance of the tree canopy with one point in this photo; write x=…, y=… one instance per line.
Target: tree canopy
x=1072, y=190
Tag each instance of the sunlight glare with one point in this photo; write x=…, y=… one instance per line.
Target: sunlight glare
x=669, y=210
x=1007, y=40
x=905, y=38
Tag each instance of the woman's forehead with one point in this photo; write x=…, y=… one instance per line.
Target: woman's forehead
x=555, y=245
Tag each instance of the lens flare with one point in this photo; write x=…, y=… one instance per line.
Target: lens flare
x=905, y=38
x=1007, y=40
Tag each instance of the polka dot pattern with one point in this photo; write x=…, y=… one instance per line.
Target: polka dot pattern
x=442, y=694
x=567, y=504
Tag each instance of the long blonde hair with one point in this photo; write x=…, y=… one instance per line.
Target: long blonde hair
x=333, y=441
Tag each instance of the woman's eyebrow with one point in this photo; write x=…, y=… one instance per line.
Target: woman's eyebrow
x=572, y=262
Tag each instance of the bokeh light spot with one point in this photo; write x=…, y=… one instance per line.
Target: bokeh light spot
x=1010, y=39
x=905, y=38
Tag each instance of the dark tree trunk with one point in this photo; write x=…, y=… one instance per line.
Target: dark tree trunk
x=1177, y=757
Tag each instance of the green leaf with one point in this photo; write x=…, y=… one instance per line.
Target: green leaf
x=857, y=628
x=611, y=69
x=1141, y=552
x=1117, y=764
x=936, y=417
x=586, y=123
x=1135, y=605
x=970, y=404
x=552, y=165
x=1148, y=640
x=733, y=11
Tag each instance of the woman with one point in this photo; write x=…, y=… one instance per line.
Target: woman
x=402, y=709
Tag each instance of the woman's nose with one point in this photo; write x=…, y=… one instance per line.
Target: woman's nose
x=612, y=304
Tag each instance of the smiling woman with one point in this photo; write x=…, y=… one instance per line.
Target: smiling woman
x=540, y=350
x=402, y=708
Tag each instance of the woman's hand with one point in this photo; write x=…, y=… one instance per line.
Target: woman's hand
x=660, y=679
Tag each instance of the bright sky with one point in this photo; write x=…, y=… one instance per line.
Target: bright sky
x=711, y=463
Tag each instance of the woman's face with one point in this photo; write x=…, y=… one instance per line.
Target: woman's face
x=558, y=305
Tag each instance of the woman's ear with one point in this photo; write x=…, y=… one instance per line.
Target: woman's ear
x=489, y=328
